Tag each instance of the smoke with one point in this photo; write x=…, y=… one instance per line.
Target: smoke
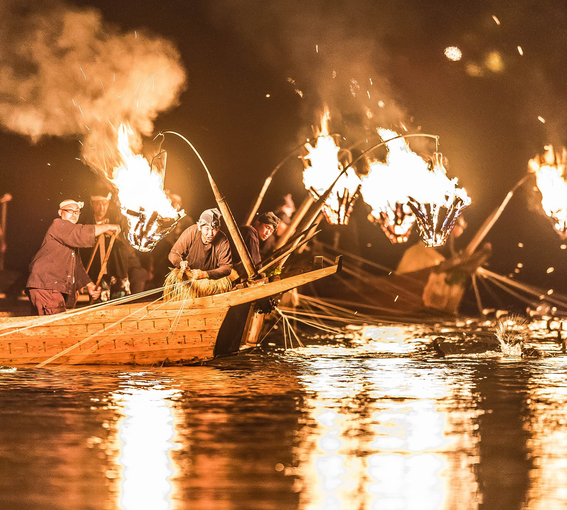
x=65, y=72
x=330, y=52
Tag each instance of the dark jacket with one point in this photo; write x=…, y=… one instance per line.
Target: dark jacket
x=214, y=258
x=57, y=265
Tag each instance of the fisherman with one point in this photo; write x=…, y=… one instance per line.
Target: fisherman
x=264, y=225
x=57, y=272
x=203, y=248
x=114, y=277
x=284, y=213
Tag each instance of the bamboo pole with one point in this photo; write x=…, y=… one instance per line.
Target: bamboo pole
x=295, y=220
x=267, y=183
x=5, y=199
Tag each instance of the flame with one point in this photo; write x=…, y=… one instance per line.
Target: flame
x=549, y=171
x=322, y=167
x=389, y=186
x=142, y=196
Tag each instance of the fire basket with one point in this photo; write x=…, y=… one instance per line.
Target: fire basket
x=549, y=171
x=147, y=228
x=396, y=221
x=436, y=221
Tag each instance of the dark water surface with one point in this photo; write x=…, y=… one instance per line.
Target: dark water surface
x=380, y=422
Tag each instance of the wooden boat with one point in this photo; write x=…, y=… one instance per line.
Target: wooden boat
x=161, y=333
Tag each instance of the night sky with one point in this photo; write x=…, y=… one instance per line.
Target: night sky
x=257, y=77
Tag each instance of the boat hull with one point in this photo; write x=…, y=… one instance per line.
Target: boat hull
x=161, y=333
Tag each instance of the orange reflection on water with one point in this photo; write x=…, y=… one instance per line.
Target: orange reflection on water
x=381, y=438
x=145, y=434
x=548, y=442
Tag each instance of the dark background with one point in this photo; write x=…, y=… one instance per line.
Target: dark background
x=235, y=53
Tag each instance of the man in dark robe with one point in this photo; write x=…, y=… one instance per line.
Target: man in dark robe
x=263, y=226
x=203, y=248
x=57, y=272
x=115, y=275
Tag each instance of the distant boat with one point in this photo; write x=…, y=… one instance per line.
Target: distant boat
x=161, y=333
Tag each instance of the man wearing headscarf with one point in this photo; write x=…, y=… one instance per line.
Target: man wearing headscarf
x=57, y=272
x=263, y=226
x=203, y=248
x=114, y=278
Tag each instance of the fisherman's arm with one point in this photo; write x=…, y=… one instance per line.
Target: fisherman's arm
x=109, y=228
x=179, y=250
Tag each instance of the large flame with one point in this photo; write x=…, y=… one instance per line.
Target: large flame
x=142, y=197
x=406, y=177
x=549, y=171
x=322, y=167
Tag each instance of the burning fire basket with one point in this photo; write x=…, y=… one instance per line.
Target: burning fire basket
x=339, y=212
x=396, y=222
x=146, y=229
x=549, y=171
x=436, y=216
x=436, y=221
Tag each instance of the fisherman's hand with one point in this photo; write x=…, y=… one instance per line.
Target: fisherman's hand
x=94, y=291
x=184, y=265
x=199, y=275
x=113, y=229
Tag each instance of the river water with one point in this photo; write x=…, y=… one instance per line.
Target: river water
x=373, y=419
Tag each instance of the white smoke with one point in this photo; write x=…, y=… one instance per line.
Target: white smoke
x=65, y=72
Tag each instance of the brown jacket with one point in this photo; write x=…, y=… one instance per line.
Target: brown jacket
x=214, y=258
x=57, y=265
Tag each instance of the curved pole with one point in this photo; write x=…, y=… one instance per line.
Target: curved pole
x=226, y=212
x=384, y=142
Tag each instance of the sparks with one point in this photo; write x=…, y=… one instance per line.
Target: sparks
x=496, y=20
x=520, y=50
x=541, y=119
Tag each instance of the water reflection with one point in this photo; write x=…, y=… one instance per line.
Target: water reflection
x=548, y=441
x=380, y=435
x=145, y=438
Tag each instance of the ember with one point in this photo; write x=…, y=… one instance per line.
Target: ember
x=549, y=171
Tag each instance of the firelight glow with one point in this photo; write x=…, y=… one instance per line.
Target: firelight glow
x=549, y=171
x=142, y=197
x=389, y=186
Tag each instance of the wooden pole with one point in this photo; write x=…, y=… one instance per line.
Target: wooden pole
x=295, y=220
x=267, y=183
x=105, y=261
x=99, y=240
x=5, y=199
